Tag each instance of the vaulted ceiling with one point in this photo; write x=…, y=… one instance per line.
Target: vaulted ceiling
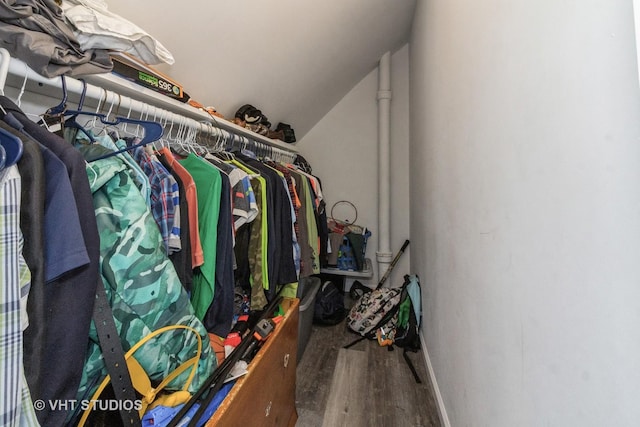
x=293, y=59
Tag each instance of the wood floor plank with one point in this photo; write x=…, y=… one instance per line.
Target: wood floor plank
x=315, y=371
x=389, y=393
x=398, y=399
x=347, y=404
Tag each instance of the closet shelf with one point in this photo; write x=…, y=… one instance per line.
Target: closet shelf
x=15, y=73
x=365, y=273
x=133, y=90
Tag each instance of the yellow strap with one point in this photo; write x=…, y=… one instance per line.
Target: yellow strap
x=139, y=377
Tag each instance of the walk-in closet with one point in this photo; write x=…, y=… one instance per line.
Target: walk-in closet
x=338, y=213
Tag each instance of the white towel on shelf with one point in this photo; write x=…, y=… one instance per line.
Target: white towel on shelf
x=98, y=28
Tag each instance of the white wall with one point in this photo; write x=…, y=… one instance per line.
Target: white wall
x=342, y=149
x=525, y=209
x=292, y=59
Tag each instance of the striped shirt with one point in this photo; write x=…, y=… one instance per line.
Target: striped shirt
x=16, y=408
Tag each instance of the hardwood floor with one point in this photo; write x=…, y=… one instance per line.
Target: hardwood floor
x=365, y=385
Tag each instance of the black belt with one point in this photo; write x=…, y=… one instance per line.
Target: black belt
x=113, y=355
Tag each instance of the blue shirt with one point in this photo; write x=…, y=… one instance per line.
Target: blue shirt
x=163, y=188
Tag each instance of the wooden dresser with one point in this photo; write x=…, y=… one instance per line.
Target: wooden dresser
x=266, y=395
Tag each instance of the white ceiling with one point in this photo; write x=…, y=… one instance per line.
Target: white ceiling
x=293, y=59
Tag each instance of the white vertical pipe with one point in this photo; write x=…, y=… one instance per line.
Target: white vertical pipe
x=636, y=14
x=384, y=255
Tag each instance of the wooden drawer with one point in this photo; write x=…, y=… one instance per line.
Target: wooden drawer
x=266, y=395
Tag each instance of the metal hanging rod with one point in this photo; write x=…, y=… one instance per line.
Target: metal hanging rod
x=127, y=98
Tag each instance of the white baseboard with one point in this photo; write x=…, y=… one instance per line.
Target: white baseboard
x=444, y=418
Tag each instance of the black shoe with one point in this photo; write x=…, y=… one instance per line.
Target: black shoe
x=289, y=134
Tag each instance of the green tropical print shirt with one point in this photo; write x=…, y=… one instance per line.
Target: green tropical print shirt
x=140, y=281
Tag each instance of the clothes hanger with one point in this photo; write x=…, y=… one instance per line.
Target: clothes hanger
x=225, y=152
x=59, y=110
x=204, y=138
x=189, y=140
x=246, y=151
x=157, y=120
x=198, y=135
x=125, y=129
x=36, y=117
x=176, y=142
x=219, y=142
x=114, y=132
x=152, y=130
x=72, y=123
x=10, y=149
x=164, y=121
x=179, y=136
x=233, y=146
x=52, y=118
x=62, y=106
x=256, y=149
x=189, y=135
x=24, y=86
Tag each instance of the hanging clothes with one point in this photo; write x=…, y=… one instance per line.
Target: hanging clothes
x=281, y=267
x=139, y=177
x=141, y=284
x=243, y=199
x=319, y=209
x=182, y=259
x=106, y=208
x=69, y=298
x=163, y=201
x=308, y=228
x=16, y=407
x=287, y=241
x=220, y=313
x=294, y=209
x=245, y=207
x=60, y=219
x=197, y=256
x=323, y=228
x=31, y=168
x=251, y=253
x=304, y=168
x=269, y=263
x=209, y=188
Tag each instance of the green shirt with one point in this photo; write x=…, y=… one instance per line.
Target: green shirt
x=312, y=229
x=209, y=188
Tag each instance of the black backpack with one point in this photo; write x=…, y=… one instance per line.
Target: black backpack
x=329, y=305
x=407, y=333
x=397, y=310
